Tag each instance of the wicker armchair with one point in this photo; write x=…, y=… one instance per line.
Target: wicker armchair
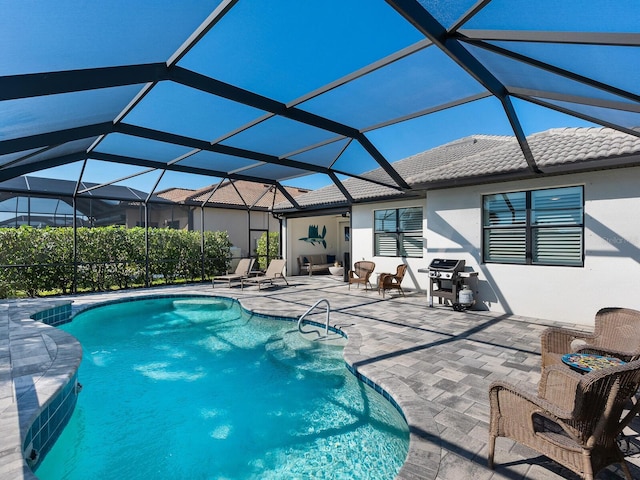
x=574, y=422
x=361, y=273
x=389, y=281
x=616, y=334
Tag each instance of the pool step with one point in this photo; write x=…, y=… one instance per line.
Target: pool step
x=294, y=351
x=313, y=333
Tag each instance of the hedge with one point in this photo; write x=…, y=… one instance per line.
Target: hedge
x=35, y=261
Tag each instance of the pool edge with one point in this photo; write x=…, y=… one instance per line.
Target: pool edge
x=39, y=389
x=422, y=459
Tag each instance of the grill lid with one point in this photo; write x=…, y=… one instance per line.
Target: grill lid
x=447, y=265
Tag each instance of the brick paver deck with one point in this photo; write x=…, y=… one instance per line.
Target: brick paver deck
x=435, y=362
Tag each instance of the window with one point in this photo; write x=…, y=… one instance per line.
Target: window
x=398, y=232
x=539, y=227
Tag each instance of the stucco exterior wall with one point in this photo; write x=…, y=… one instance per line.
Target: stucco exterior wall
x=236, y=223
x=453, y=229
x=362, y=243
x=611, y=272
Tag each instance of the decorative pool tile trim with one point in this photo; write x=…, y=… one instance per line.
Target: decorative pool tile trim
x=55, y=316
x=48, y=425
x=128, y=299
x=377, y=388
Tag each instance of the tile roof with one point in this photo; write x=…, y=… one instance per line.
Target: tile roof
x=477, y=157
x=176, y=194
x=226, y=195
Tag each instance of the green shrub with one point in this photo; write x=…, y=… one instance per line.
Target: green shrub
x=38, y=260
x=274, y=249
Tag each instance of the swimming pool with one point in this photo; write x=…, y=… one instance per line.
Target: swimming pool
x=195, y=387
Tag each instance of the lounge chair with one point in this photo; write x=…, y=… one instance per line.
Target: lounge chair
x=574, y=420
x=361, y=272
x=390, y=281
x=273, y=273
x=242, y=271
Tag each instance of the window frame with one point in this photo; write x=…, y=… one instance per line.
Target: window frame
x=530, y=229
x=398, y=233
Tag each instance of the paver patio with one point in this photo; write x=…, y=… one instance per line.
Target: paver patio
x=435, y=362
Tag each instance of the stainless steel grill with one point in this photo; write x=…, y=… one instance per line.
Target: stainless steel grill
x=444, y=280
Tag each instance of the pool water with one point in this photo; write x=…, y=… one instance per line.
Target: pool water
x=196, y=388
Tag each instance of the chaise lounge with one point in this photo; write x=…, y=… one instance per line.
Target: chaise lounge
x=273, y=273
x=242, y=271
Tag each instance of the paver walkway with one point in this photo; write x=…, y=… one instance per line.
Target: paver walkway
x=435, y=362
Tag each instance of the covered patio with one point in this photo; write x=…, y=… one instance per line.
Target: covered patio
x=436, y=363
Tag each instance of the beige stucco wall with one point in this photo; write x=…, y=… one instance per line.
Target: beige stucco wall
x=610, y=276
x=236, y=223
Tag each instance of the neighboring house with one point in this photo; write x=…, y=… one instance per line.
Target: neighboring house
x=556, y=245
x=40, y=202
x=241, y=208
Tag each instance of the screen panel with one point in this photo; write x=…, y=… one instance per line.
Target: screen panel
x=283, y=49
x=396, y=90
x=66, y=35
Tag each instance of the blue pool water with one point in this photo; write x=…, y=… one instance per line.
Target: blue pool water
x=195, y=388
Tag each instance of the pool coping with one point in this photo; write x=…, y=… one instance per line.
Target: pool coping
x=424, y=445
x=37, y=362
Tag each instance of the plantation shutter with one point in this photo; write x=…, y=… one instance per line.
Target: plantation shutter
x=411, y=244
x=539, y=227
x=504, y=216
x=556, y=215
x=506, y=245
x=398, y=232
x=562, y=246
x=411, y=228
x=386, y=245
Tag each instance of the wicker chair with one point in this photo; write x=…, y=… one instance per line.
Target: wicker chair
x=616, y=334
x=361, y=273
x=390, y=281
x=574, y=422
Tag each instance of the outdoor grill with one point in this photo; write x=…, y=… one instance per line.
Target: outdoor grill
x=445, y=280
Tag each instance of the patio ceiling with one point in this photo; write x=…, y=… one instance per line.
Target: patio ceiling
x=274, y=91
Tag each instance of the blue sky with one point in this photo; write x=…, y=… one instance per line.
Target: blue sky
x=282, y=50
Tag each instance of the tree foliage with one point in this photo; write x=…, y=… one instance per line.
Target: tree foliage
x=274, y=249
